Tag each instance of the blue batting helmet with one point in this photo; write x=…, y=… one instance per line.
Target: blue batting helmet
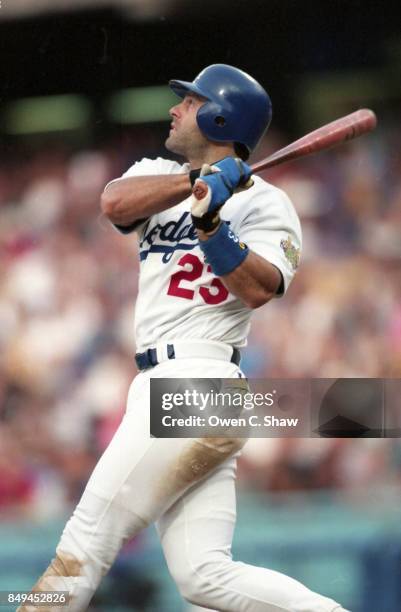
x=237, y=110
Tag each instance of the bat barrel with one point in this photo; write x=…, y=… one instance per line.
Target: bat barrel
x=338, y=131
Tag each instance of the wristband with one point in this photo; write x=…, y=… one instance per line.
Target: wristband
x=224, y=251
x=208, y=222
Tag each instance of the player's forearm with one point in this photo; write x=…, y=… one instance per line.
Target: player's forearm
x=255, y=281
x=130, y=199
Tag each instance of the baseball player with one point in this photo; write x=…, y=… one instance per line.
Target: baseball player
x=205, y=264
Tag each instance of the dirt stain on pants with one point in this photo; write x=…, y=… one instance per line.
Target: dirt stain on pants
x=62, y=566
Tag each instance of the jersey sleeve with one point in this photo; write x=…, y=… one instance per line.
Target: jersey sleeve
x=144, y=167
x=149, y=167
x=272, y=230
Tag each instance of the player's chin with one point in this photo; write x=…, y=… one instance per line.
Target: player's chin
x=172, y=145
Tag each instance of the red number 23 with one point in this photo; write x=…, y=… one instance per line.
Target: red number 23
x=190, y=275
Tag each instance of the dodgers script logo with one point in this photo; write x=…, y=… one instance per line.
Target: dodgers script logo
x=168, y=238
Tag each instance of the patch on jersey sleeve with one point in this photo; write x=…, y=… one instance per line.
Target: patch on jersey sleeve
x=291, y=252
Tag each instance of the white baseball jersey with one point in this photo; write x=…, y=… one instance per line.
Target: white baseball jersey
x=180, y=482
x=179, y=296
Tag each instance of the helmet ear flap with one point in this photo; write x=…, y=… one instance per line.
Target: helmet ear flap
x=220, y=120
x=214, y=121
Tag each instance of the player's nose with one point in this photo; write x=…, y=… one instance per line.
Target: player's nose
x=174, y=111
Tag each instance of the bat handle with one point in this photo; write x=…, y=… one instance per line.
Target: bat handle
x=250, y=182
x=243, y=186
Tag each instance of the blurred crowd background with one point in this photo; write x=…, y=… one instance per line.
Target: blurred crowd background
x=68, y=281
x=68, y=288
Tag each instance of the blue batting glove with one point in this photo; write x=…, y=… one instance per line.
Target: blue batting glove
x=214, y=187
x=236, y=172
x=209, y=194
x=219, y=190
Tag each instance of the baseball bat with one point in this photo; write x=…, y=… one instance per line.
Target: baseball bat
x=333, y=133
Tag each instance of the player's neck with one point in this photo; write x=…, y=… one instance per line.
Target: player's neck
x=212, y=154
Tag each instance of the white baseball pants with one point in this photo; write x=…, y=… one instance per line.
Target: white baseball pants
x=186, y=486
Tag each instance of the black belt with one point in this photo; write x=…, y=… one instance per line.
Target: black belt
x=148, y=359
